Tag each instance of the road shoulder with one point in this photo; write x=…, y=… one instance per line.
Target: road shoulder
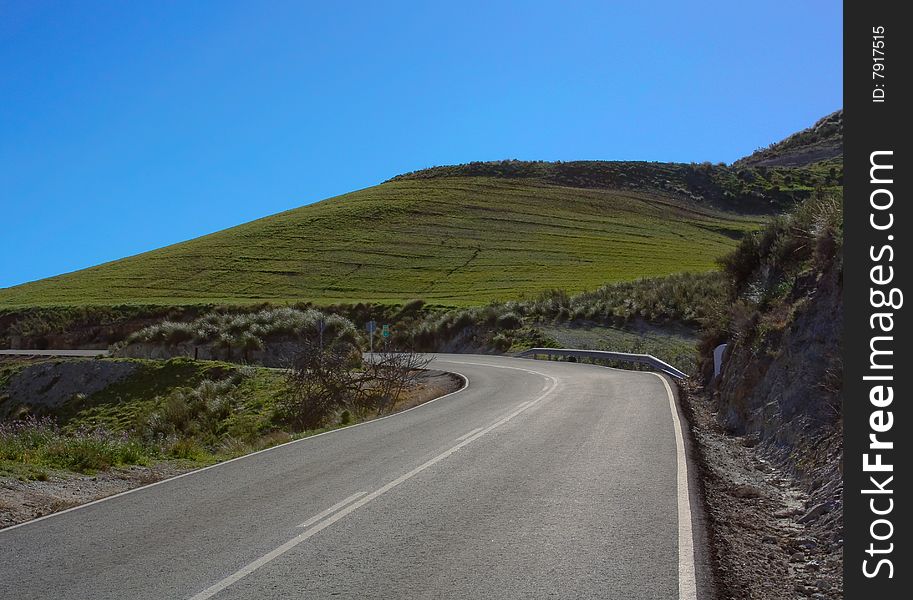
x=758, y=546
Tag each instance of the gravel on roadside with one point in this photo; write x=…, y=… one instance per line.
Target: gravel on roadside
x=770, y=539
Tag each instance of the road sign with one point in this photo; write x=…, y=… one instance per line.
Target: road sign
x=385, y=331
x=371, y=326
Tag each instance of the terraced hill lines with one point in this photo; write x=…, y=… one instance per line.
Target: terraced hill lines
x=450, y=240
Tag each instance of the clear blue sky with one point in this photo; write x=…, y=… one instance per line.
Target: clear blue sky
x=126, y=126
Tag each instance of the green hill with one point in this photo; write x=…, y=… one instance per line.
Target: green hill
x=455, y=236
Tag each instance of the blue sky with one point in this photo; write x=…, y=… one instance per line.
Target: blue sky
x=126, y=126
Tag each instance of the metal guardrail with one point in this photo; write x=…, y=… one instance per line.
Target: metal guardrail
x=644, y=359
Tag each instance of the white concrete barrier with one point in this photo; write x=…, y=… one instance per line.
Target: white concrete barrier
x=718, y=359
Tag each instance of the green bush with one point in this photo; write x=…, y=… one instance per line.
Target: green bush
x=41, y=442
x=198, y=412
x=187, y=449
x=245, y=331
x=508, y=321
x=770, y=270
x=687, y=299
x=764, y=265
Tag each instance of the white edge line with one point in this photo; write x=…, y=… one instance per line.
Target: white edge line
x=332, y=509
x=467, y=434
x=687, y=579
x=202, y=469
x=303, y=536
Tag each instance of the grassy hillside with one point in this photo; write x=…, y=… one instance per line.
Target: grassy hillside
x=450, y=240
x=460, y=235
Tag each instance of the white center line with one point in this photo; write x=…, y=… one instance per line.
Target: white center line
x=466, y=435
x=332, y=509
x=274, y=554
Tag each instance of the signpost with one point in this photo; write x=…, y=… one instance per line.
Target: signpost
x=371, y=327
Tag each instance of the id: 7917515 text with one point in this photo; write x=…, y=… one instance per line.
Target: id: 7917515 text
x=878, y=63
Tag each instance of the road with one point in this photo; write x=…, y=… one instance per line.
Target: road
x=537, y=480
x=84, y=353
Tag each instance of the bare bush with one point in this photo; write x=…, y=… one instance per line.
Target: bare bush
x=326, y=379
x=321, y=381
x=386, y=376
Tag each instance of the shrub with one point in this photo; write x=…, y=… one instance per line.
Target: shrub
x=770, y=270
x=198, y=412
x=411, y=308
x=685, y=298
x=247, y=332
x=330, y=380
x=508, y=321
x=41, y=442
x=187, y=448
x=764, y=265
x=320, y=383
x=500, y=342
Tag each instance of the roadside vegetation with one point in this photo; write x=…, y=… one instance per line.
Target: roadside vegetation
x=39, y=444
x=657, y=316
x=771, y=273
x=195, y=412
x=176, y=409
x=245, y=330
x=652, y=315
x=81, y=326
x=269, y=336
x=100, y=326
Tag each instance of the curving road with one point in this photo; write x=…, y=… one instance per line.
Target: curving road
x=538, y=480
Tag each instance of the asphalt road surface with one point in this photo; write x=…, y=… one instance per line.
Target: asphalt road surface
x=86, y=353
x=538, y=480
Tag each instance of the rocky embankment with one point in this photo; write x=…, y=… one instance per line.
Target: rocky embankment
x=770, y=426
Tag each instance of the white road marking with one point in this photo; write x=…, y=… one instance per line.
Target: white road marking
x=687, y=580
x=246, y=456
x=332, y=509
x=274, y=554
x=466, y=435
